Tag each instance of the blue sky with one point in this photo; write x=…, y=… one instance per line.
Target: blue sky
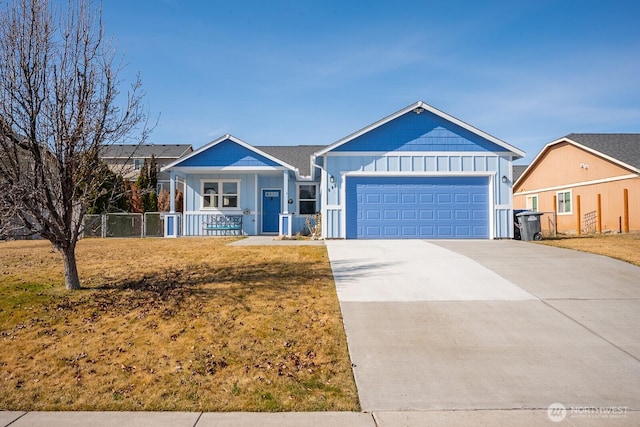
x=311, y=72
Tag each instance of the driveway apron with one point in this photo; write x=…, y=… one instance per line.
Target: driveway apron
x=493, y=325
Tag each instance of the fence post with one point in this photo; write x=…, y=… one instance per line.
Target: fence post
x=626, y=210
x=579, y=219
x=103, y=228
x=599, y=213
x=555, y=211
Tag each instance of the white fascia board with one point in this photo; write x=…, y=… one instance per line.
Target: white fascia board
x=513, y=150
x=519, y=153
x=604, y=156
x=419, y=153
x=597, y=153
x=536, y=159
x=262, y=153
x=367, y=129
x=196, y=152
x=237, y=141
x=216, y=169
x=186, y=150
x=577, y=184
x=420, y=174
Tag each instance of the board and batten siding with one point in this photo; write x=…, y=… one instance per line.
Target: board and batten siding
x=340, y=164
x=251, y=187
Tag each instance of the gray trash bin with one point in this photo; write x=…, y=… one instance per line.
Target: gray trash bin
x=530, y=225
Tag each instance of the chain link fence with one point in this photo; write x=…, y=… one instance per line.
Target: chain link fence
x=149, y=224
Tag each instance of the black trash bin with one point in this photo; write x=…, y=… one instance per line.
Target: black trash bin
x=530, y=225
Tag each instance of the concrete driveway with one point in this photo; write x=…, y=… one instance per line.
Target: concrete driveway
x=488, y=325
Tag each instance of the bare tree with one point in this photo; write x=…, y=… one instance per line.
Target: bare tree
x=59, y=105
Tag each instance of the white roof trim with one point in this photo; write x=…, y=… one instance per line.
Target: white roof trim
x=427, y=107
x=237, y=141
x=578, y=145
x=419, y=153
x=426, y=174
x=215, y=169
x=575, y=184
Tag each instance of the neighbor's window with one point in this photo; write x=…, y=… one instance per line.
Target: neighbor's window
x=137, y=164
x=220, y=194
x=564, y=201
x=532, y=203
x=307, y=199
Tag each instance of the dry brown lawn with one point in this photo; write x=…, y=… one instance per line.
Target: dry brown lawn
x=172, y=324
x=625, y=247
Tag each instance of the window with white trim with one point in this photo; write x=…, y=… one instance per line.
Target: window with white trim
x=532, y=203
x=307, y=199
x=220, y=194
x=137, y=164
x=564, y=202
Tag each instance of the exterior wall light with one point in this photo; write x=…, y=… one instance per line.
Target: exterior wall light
x=504, y=179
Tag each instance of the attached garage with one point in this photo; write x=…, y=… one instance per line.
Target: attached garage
x=417, y=174
x=406, y=207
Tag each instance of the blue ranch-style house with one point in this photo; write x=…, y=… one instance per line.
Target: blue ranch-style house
x=418, y=173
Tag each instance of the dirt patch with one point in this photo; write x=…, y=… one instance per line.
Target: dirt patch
x=625, y=247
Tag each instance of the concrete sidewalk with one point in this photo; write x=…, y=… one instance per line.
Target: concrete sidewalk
x=497, y=418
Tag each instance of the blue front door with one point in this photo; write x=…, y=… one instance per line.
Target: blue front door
x=270, y=210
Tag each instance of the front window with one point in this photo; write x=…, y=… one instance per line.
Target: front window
x=137, y=164
x=229, y=194
x=532, y=203
x=564, y=202
x=307, y=199
x=220, y=194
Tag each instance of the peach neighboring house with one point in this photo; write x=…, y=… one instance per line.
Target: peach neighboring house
x=590, y=181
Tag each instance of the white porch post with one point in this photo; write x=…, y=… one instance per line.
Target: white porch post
x=285, y=218
x=172, y=220
x=285, y=192
x=324, y=201
x=172, y=190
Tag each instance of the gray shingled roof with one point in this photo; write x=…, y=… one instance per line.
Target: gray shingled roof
x=624, y=147
x=517, y=171
x=160, y=151
x=298, y=156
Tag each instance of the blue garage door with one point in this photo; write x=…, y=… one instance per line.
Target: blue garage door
x=417, y=207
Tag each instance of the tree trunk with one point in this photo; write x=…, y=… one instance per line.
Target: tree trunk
x=71, y=278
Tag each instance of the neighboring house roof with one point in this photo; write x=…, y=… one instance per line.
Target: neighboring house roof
x=195, y=159
x=298, y=156
x=517, y=171
x=622, y=149
x=418, y=108
x=159, y=151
